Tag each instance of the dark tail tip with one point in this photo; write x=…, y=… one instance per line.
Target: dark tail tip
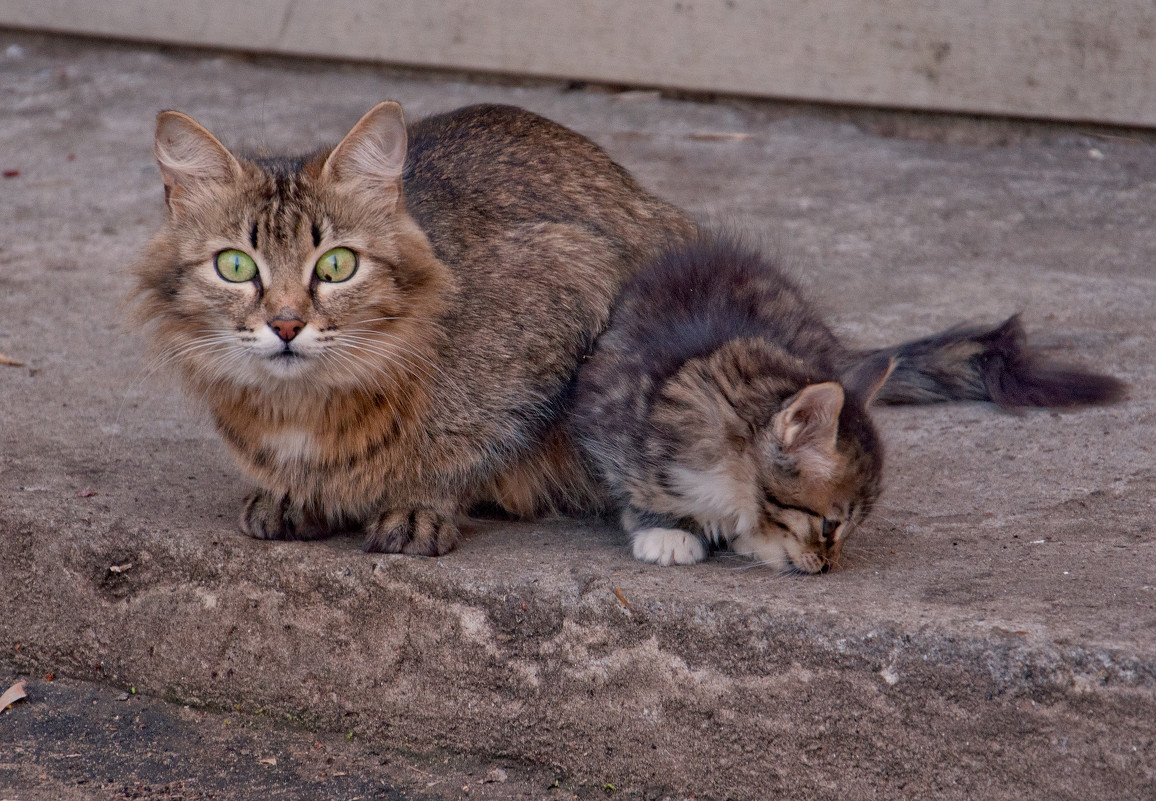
x=1015, y=377
x=992, y=364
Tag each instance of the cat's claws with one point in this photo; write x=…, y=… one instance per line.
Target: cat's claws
x=266, y=516
x=420, y=532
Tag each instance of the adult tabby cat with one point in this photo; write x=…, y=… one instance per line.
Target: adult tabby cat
x=388, y=331
x=386, y=334
x=720, y=410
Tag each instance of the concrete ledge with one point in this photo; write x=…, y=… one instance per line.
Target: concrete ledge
x=1053, y=59
x=543, y=644
x=991, y=636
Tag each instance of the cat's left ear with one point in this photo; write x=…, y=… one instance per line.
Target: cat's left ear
x=372, y=155
x=864, y=380
x=808, y=426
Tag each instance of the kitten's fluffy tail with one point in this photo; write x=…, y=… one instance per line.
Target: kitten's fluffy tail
x=986, y=364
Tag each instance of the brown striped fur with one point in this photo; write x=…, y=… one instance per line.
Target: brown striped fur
x=491, y=245
x=714, y=410
x=435, y=377
x=719, y=409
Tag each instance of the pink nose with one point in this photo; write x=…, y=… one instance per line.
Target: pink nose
x=287, y=328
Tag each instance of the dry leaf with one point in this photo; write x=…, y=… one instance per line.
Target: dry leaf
x=721, y=136
x=268, y=761
x=12, y=695
x=88, y=493
x=625, y=604
x=8, y=360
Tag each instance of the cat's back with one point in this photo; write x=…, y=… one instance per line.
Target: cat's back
x=496, y=157
x=480, y=170
x=699, y=295
x=713, y=316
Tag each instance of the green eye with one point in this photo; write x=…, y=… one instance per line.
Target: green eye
x=336, y=265
x=235, y=266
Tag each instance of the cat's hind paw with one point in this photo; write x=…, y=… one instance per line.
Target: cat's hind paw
x=667, y=546
x=419, y=532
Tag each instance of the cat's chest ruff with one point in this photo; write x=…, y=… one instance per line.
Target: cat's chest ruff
x=288, y=445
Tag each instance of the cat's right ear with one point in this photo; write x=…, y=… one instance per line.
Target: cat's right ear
x=372, y=155
x=189, y=157
x=808, y=427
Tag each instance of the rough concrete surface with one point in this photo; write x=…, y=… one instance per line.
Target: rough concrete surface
x=74, y=741
x=993, y=634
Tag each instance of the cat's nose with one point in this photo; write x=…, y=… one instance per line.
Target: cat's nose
x=287, y=327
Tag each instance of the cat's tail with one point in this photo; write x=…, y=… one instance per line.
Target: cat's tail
x=986, y=364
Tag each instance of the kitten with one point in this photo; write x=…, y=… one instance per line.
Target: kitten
x=386, y=332
x=720, y=409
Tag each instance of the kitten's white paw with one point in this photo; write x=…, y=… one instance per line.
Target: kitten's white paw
x=667, y=546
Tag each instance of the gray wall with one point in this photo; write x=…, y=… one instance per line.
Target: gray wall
x=1058, y=59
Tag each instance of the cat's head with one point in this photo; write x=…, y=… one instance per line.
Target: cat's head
x=819, y=469
x=288, y=274
x=819, y=466
x=792, y=466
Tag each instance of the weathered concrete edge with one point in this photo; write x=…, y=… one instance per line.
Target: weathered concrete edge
x=422, y=655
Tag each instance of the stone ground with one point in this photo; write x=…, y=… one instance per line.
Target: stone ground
x=993, y=634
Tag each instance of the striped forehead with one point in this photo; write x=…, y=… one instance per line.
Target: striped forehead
x=282, y=217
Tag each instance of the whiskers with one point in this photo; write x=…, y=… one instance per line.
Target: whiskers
x=742, y=564
x=392, y=347
x=369, y=354
x=203, y=345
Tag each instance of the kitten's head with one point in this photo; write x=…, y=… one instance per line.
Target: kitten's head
x=792, y=467
x=819, y=467
x=288, y=275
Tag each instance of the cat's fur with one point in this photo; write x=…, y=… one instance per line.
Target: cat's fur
x=491, y=244
x=714, y=409
x=972, y=362
x=490, y=249
x=720, y=410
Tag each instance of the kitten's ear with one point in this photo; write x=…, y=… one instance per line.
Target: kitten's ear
x=864, y=380
x=189, y=156
x=373, y=153
x=808, y=426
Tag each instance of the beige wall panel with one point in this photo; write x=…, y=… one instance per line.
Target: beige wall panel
x=1063, y=59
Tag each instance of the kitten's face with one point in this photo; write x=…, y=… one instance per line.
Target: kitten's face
x=818, y=471
x=281, y=273
x=788, y=492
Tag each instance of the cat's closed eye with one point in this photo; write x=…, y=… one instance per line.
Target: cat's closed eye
x=830, y=527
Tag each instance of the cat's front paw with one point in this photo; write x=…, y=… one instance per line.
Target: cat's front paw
x=667, y=546
x=419, y=532
x=270, y=516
